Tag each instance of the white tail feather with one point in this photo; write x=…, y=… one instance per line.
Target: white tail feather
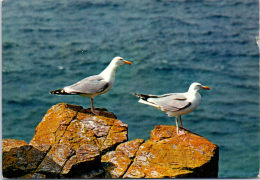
x=148, y=103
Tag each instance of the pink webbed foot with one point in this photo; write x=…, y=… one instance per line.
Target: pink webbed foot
x=180, y=132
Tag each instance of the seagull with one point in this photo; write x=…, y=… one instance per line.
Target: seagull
x=175, y=104
x=93, y=86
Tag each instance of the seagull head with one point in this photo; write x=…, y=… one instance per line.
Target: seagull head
x=197, y=86
x=118, y=61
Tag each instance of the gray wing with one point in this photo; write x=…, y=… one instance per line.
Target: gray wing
x=171, y=102
x=176, y=96
x=90, y=85
x=173, y=95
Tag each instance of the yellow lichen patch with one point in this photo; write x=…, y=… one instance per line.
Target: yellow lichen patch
x=53, y=125
x=167, y=154
x=117, y=162
x=8, y=144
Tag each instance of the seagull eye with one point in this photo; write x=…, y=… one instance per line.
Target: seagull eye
x=121, y=59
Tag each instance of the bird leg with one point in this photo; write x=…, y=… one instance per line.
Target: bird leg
x=180, y=121
x=177, y=128
x=182, y=130
x=92, y=108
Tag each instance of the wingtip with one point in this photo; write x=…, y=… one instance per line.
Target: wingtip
x=58, y=91
x=137, y=94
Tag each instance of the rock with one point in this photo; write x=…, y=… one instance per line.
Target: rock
x=19, y=158
x=8, y=144
x=76, y=137
x=55, y=159
x=166, y=155
x=53, y=125
x=33, y=176
x=117, y=162
x=67, y=167
x=103, y=112
x=71, y=142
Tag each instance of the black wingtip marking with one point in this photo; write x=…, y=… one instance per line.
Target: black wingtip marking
x=58, y=91
x=138, y=95
x=62, y=92
x=142, y=96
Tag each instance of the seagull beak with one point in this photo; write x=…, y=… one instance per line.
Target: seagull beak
x=127, y=62
x=206, y=87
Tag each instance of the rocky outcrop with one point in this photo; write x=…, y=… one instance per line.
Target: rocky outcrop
x=71, y=142
x=19, y=158
x=164, y=155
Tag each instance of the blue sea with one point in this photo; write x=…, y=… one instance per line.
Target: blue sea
x=172, y=43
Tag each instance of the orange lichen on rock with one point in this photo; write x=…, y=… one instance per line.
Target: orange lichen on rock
x=53, y=125
x=116, y=162
x=166, y=154
x=8, y=144
x=71, y=142
x=79, y=135
x=55, y=159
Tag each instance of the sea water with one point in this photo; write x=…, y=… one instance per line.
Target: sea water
x=50, y=44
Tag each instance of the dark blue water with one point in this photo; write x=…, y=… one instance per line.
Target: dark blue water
x=50, y=44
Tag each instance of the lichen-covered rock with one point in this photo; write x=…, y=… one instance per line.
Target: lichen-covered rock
x=117, y=162
x=8, y=144
x=71, y=142
x=53, y=125
x=19, y=157
x=55, y=159
x=76, y=136
x=167, y=155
